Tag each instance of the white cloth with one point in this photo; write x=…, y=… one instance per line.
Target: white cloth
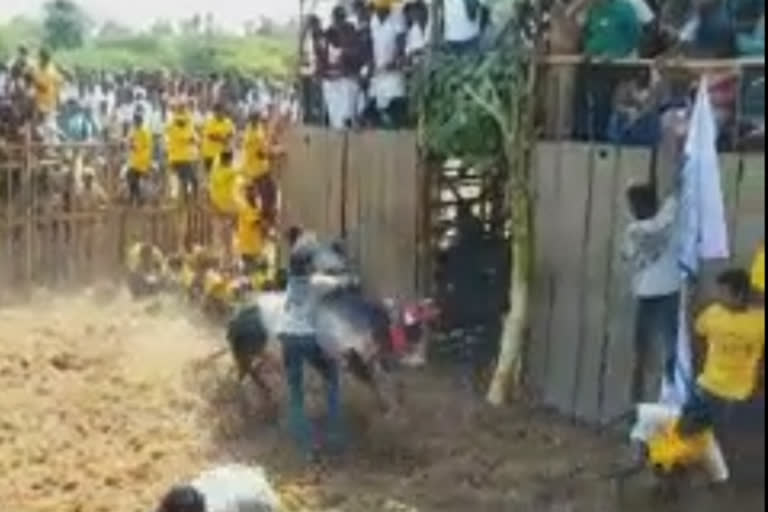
x=458, y=27
x=703, y=227
x=236, y=488
x=340, y=96
x=652, y=418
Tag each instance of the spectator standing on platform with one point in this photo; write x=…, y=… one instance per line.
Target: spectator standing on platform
x=218, y=133
x=612, y=30
x=47, y=84
x=311, y=89
x=387, y=88
x=463, y=24
x=418, y=30
x=341, y=63
x=182, y=152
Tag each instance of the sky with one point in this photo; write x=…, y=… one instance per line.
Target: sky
x=231, y=14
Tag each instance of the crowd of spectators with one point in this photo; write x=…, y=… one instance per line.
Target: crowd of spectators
x=624, y=103
x=355, y=67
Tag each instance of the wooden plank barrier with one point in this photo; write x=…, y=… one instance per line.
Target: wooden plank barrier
x=581, y=351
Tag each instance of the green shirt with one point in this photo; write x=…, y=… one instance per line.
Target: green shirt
x=612, y=29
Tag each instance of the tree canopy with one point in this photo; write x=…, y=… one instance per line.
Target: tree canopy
x=193, y=45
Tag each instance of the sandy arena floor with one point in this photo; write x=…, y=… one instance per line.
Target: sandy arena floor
x=105, y=403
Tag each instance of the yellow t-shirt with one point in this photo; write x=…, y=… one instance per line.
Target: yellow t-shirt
x=47, y=82
x=758, y=269
x=216, y=133
x=141, y=150
x=735, y=343
x=181, y=141
x=255, y=161
x=221, y=187
x=250, y=241
x=668, y=449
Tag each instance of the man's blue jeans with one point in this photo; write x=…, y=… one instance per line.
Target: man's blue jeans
x=657, y=321
x=296, y=350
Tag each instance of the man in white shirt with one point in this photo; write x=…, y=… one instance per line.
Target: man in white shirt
x=652, y=244
x=387, y=87
x=417, y=22
x=463, y=22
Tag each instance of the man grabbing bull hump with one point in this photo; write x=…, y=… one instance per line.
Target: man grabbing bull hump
x=324, y=320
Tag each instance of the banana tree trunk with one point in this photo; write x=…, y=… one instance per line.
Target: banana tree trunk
x=508, y=374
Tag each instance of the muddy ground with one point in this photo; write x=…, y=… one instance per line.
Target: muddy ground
x=105, y=403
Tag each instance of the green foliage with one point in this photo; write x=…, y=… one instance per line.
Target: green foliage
x=65, y=25
x=114, y=48
x=462, y=99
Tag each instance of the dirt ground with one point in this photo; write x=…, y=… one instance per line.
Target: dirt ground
x=105, y=403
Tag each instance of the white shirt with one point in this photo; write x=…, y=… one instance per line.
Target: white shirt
x=417, y=39
x=384, y=35
x=458, y=27
x=237, y=488
x=654, y=245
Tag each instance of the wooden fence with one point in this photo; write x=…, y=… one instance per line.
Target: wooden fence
x=52, y=234
x=580, y=356
x=367, y=187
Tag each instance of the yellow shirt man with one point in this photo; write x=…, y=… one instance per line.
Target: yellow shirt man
x=735, y=343
x=47, y=81
x=221, y=187
x=141, y=150
x=758, y=269
x=218, y=131
x=250, y=240
x=180, y=135
x=255, y=159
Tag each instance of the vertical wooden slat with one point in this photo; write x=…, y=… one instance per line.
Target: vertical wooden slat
x=546, y=171
x=573, y=199
x=594, y=297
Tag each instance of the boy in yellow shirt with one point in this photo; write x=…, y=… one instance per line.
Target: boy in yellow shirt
x=250, y=230
x=182, y=153
x=47, y=82
x=140, y=159
x=221, y=190
x=218, y=132
x=255, y=150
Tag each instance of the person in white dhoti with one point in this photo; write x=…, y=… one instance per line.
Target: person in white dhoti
x=387, y=87
x=340, y=71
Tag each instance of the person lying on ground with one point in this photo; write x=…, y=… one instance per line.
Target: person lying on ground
x=231, y=488
x=145, y=265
